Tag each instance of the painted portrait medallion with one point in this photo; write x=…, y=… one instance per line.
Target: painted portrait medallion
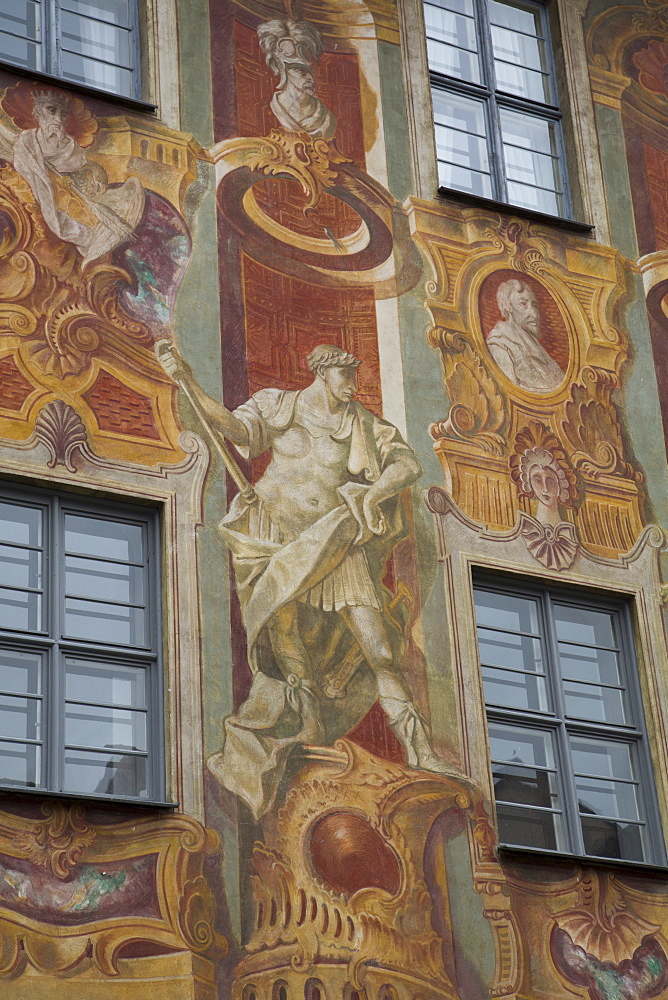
x=524, y=330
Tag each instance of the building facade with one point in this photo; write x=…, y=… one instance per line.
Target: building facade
x=334, y=499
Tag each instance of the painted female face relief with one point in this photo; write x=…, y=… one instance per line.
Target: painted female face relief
x=545, y=484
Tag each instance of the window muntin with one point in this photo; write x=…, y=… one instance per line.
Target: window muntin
x=91, y=42
x=565, y=723
x=79, y=671
x=497, y=120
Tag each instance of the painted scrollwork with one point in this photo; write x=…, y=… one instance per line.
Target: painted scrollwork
x=592, y=428
x=653, y=18
x=599, y=941
x=529, y=327
x=312, y=163
x=197, y=911
x=57, y=842
x=60, y=316
x=525, y=252
x=339, y=880
x=136, y=881
x=380, y=249
x=477, y=410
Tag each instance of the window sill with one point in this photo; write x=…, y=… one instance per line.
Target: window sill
x=95, y=800
x=129, y=103
x=538, y=856
x=525, y=213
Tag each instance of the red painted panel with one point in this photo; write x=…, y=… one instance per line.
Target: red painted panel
x=14, y=388
x=286, y=318
x=119, y=408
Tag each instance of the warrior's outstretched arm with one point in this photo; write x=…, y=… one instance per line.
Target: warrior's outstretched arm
x=218, y=416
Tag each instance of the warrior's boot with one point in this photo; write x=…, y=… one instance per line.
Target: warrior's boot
x=410, y=729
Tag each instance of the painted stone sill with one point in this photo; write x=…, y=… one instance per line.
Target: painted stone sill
x=535, y=856
x=16, y=791
x=525, y=213
x=130, y=103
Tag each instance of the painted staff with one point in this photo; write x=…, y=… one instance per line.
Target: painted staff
x=219, y=443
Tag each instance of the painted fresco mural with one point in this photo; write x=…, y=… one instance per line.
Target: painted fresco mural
x=332, y=830
x=92, y=258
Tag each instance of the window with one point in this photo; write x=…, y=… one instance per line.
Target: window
x=570, y=766
x=496, y=113
x=79, y=670
x=91, y=42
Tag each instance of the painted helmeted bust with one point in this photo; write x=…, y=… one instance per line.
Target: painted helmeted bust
x=291, y=49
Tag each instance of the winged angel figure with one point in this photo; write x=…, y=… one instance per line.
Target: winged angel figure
x=46, y=146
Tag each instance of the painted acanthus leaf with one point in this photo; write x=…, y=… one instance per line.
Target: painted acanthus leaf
x=477, y=410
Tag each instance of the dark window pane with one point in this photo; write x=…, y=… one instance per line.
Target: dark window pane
x=20, y=524
x=513, y=690
x=20, y=610
x=599, y=797
x=516, y=79
x=506, y=611
x=586, y=626
x=111, y=11
x=97, y=726
x=464, y=179
x=97, y=74
x=20, y=52
x=519, y=51
x=519, y=17
x=105, y=773
x=516, y=652
x=92, y=536
x=21, y=18
x=593, y=703
x=112, y=623
x=461, y=143
x=20, y=718
x=532, y=166
x=607, y=760
x=582, y=663
x=92, y=38
x=529, y=827
x=20, y=764
x=20, y=673
x=106, y=580
x=20, y=567
x=525, y=785
x=86, y=680
x=452, y=47
x=534, y=198
x=608, y=839
x=521, y=745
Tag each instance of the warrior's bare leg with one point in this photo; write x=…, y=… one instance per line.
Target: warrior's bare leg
x=287, y=645
x=368, y=627
x=295, y=665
